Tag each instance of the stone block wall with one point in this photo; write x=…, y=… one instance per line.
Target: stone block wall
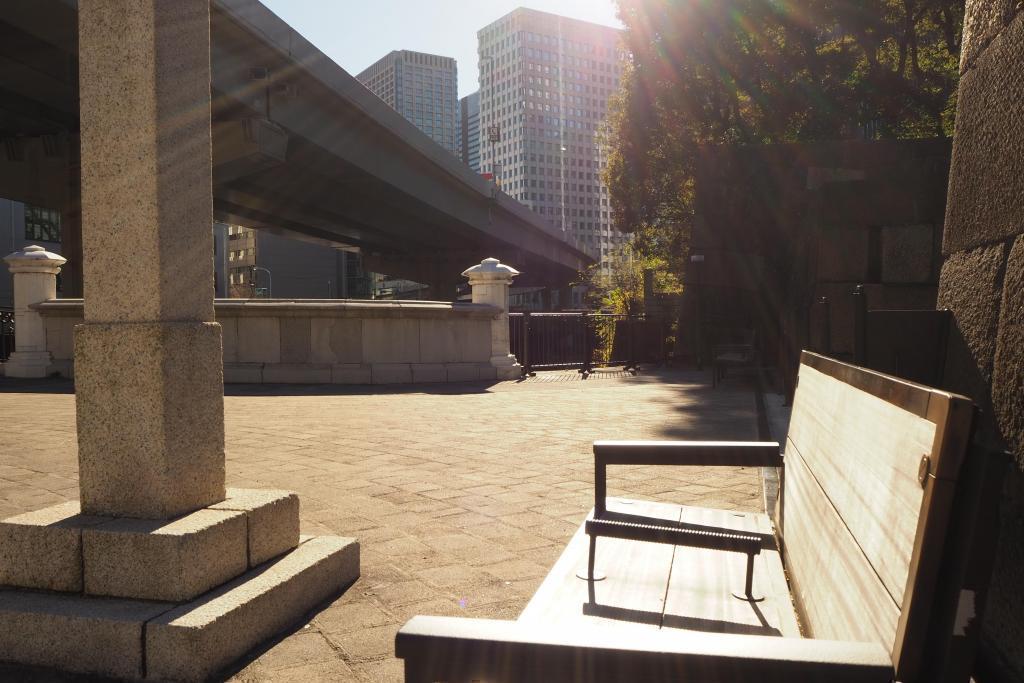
x=327, y=342
x=780, y=226
x=982, y=282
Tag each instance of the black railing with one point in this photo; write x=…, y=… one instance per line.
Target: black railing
x=6, y=334
x=548, y=341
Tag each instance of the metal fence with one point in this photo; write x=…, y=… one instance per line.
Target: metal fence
x=547, y=341
x=6, y=334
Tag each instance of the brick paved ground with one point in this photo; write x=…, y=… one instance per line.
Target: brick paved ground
x=462, y=496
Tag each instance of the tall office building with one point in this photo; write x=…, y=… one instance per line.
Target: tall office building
x=545, y=81
x=469, y=130
x=420, y=87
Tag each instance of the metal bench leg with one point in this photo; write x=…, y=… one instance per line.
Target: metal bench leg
x=590, y=557
x=591, y=575
x=748, y=586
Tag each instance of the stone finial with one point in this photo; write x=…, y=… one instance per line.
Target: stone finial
x=35, y=280
x=490, y=270
x=35, y=259
x=490, y=281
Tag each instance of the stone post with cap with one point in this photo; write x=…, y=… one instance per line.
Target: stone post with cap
x=35, y=280
x=490, y=281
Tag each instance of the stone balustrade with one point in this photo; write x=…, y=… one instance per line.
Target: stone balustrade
x=318, y=341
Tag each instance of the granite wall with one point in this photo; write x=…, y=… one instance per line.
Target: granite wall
x=318, y=341
x=780, y=226
x=982, y=282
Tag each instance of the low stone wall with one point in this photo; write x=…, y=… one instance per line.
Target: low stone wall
x=327, y=342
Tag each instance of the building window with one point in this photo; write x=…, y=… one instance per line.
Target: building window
x=42, y=225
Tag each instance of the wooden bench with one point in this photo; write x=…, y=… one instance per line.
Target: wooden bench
x=859, y=578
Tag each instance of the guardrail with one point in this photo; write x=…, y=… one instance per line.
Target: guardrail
x=582, y=340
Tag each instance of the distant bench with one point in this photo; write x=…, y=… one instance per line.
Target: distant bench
x=874, y=532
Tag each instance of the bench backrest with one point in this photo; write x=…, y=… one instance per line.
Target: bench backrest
x=871, y=464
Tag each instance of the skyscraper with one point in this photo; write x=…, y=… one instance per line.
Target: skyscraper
x=469, y=130
x=420, y=87
x=545, y=81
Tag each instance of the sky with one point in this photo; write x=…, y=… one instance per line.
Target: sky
x=356, y=33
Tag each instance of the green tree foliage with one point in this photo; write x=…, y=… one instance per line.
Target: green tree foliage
x=617, y=286
x=708, y=72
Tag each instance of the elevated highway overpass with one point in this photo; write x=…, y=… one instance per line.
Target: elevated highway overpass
x=300, y=147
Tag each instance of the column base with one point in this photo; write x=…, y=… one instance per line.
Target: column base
x=506, y=367
x=28, y=364
x=171, y=600
x=175, y=560
x=190, y=641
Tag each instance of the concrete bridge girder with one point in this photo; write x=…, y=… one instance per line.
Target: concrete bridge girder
x=327, y=158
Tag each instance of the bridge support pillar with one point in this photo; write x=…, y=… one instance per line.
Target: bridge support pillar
x=490, y=281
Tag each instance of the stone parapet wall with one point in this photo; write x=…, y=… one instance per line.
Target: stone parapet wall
x=327, y=342
x=982, y=283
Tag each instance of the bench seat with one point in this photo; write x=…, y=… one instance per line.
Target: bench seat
x=661, y=586
x=663, y=613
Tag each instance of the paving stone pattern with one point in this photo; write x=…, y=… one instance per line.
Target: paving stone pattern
x=462, y=496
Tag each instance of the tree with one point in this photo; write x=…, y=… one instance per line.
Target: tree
x=617, y=285
x=707, y=72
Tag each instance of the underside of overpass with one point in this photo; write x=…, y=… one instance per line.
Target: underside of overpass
x=300, y=147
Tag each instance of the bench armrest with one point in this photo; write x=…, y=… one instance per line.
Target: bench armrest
x=691, y=453
x=699, y=453
x=458, y=650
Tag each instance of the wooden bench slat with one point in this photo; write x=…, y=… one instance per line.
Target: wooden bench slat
x=865, y=453
x=700, y=579
x=637, y=577
x=459, y=650
x=702, y=584
x=839, y=595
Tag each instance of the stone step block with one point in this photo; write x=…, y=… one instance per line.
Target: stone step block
x=174, y=560
x=196, y=640
x=99, y=636
x=273, y=520
x=43, y=549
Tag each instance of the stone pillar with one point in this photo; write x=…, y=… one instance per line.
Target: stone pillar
x=35, y=280
x=565, y=298
x=157, y=527
x=490, y=281
x=148, y=369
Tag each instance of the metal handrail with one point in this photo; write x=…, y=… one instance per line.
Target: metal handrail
x=584, y=340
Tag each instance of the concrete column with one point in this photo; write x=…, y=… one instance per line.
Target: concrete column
x=490, y=281
x=148, y=369
x=71, y=224
x=35, y=280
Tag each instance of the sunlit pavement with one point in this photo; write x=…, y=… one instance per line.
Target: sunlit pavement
x=462, y=496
